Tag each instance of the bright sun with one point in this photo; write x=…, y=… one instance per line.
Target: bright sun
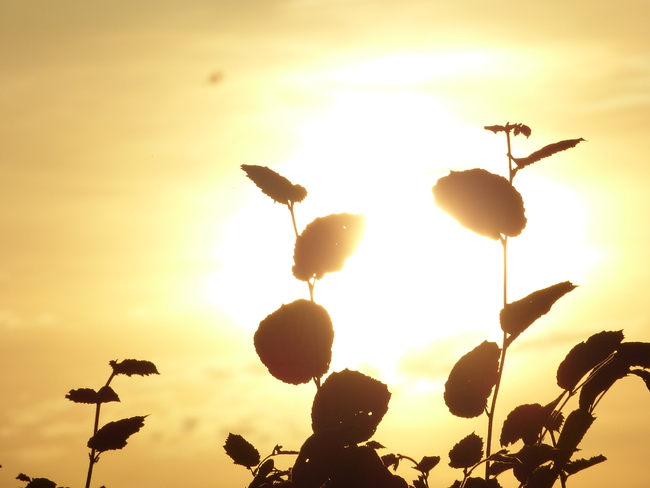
x=417, y=275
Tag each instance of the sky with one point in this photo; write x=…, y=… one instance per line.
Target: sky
x=130, y=231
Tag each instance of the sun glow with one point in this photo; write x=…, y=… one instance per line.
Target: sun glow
x=417, y=276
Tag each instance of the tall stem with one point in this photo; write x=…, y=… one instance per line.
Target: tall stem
x=93, y=454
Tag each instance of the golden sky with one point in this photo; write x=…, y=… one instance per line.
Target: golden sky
x=129, y=230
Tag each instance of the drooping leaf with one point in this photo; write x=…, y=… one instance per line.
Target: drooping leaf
x=427, y=463
x=602, y=380
x=82, y=395
x=546, y=151
x=130, y=367
x=351, y=405
x=517, y=316
x=467, y=452
x=241, y=451
x=586, y=356
x=572, y=467
x=635, y=353
x=576, y=426
x=325, y=244
x=114, y=435
x=272, y=184
x=471, y=380
x=482, y=202
x=390, y=461
x=295, y=342
x=644, y=375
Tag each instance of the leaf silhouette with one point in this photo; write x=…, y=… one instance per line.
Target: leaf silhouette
x=130, y=367
x=546, y=151
x=572, y=467
x=315, y=462
x=360, y=466
x=88, y=395
x=644, y=375
x=272, y=184
x=531, y=458
x=295, y=342
x=241, y=451
x=41, y=483
x=114, y=435
x=602, y=380
x=471, y=380
x=521, y=423
x=586, y=356
x=635, y=353
x=351, y=405
x=474, y=482
x=576, y=426
x=325, y=244
x=427, y=463
x=467, y=452
x=517, y=316
x=482, y=202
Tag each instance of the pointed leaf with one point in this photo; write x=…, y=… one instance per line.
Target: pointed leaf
x=130, y=367
x=82, y=395
x=482, y=202
x=495, y=128
x=427, y=463
x=523, y=422
x=572, y=467
x=517, y=316
x=325, y=244
x=241, y=451
x=106, y=394
x=471, y=380
x=295, y=342
x=114, y=435
x=576, y=426
x=467, y=452
x=546, y=151
x=272, y=184
x=586, y=356
x=351, y=405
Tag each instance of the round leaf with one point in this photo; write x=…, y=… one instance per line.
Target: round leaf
x=241, y=451
x=481, y=202
x=295, y=342
x=467, y=452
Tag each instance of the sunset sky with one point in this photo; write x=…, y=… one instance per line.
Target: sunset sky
x=130, y=231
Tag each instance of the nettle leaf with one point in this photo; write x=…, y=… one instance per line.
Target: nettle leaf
x=546, y=151
x=272, y=184
x=482, y=202
x=471, y=380
x=130, y=367
x=114, y=435
x=350, y=405
x=586, y=356
x=522, y=422
x=295, y=342
x=517, y=316
x=467, y=452
x=241, y=451
x=573, y=467
x=90, y=396
x=576, y=426
x=325, y=244
x=427, y=463
x=602, y=380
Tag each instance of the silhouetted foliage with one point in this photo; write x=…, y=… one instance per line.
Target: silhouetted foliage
x=242, y=452
x=87, y=395
x=481, y=202
x=280, y=189
x=295, y=342
x=130, y=367
x=114, y=435
x=467, y=452
x=546, y=151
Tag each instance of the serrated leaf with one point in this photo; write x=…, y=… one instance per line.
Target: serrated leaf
x=482, y=202
x=467, y=452
x=82, y=395
x=295, y=342
x=325, y=244
x=114, y=435
x=546, y=151
x=572, y=467
x=241, y=451
x=517, y=316
x=602, y=380
x=427, y=463
x=471, y=380
x=350, y=405
x=586, y=356
x=523, y=422
x=495, y=128
x=130, y=367
x=272, y=184
x=575, y=427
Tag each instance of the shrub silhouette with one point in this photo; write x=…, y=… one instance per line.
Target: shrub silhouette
x=538, y=442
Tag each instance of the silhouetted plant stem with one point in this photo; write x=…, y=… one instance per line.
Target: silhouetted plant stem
x=293, y=218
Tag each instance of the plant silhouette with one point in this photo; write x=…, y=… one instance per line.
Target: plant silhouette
x=538, y=441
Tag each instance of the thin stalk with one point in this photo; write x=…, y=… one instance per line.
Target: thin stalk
x=94, y=457
x=311, y=284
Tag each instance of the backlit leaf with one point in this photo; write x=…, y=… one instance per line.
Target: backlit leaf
x=523, y=422
x=272, y=184
x=586, y=356
x=467, y=452
x=482, y=202
x=602, y=380
x=517, y=316
x=635, y=353
x=576, y=426
x=361, y=467
x=351, y=405
x=114, y=435
x=325, y=244
x=316, y=460
x=295, y=342
x=41, y=483
x=82, y=395
x=471, y=380
x=130, y=367
x=546, y=151
x=427, y=463
x=572, y=467
x=644, y=375
x=241, y=451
